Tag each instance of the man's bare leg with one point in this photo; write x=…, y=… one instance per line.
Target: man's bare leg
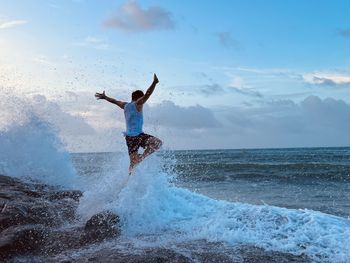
x=153, y=144
x=135, y=158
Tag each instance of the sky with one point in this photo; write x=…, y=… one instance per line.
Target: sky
x=233, y=73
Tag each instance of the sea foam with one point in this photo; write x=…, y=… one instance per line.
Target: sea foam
x=150, y=204
x=31, y=148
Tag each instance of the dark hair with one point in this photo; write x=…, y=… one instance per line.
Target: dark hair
x=136, y=95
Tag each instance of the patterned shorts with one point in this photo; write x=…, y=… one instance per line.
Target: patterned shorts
x=135, y=142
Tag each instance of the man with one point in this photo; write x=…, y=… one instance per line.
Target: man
x=134, y=135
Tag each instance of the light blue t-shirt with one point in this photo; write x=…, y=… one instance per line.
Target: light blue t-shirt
x=133, y=119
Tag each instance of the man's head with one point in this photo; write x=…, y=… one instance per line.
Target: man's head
x=136, y=95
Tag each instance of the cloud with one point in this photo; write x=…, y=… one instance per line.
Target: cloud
x=103, y=115
x=239, y=85
x=227, y=41
x=211, y=89
x=345, y=32
x=86, y=124
x=131, y=17
x=284, y=123
x=271, y=72
x=215, y=89
x=165, y=120
x=328, y=113
x=329, y=79
x=93, y=42
x=170, y=115
x=13, y=23
x=279, y=123
x=247, y=92
x=67, y=123
x=18, y=110
x=74, y=130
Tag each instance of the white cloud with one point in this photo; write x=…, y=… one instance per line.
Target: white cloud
x=282, y=123
x=313, y=122
x=239, y=85
x=86, y=124
x=131, y=17
x=331, y=79
x=170, y=115
x=13, y=23
x=67, y=123
x=19, y=110
x=236, y=84
x=93, y=42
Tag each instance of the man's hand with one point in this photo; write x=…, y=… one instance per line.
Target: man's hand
x=155, y=79
x=100, y=96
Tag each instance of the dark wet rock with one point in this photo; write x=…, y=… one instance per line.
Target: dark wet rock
x=52, y=213
x=101, y=226
x=59, y=240
x=58, y=195
x=105, y=220
x=29, y=203
x=158, y=255
x=21, y=240
x=13, y=214
x=28, y=213
x=252, y=254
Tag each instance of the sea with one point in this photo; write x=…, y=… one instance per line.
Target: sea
x=299, y=178
x=294, y=200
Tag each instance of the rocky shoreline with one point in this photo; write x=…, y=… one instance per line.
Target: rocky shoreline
x=38, y=223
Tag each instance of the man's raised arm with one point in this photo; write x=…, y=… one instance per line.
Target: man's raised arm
x=149, y=91
x=102, y=96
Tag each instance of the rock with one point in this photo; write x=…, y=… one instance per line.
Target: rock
x=58, y=195
x=19, y=240
x=12, y=214
x=59, y=240
x=29, y=212
x=104, y=219
x=159, y=255
x=101, y=227
x=98, y=228
x=52, y=213
x=28, y=203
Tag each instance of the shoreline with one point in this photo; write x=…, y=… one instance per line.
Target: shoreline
x=34, y=222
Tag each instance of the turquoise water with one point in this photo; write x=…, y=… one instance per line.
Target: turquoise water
x=312, y=178
x=287, y=200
